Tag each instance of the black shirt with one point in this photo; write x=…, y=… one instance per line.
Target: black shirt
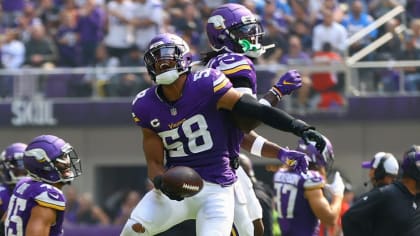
x=414, y=224
x=384, y=211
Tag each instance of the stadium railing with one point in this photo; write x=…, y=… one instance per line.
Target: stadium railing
x=27, y=81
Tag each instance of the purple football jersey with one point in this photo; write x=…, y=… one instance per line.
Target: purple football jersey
x=295, y=214
x=193, y=131
x=235, y=65
x=5, y=193
x=28, y=194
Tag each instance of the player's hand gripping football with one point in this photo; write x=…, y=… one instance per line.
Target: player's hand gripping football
x=293, y=159
x=337, y=186
x=157, y=182
x=315, y=138
x=288, y=82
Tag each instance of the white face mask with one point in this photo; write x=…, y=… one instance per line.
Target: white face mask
x=258, y=50
x=167, y=77
x=253, y=50
x=256, y=53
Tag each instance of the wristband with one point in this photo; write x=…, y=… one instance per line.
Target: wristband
x=257, y=146
x=276, y=92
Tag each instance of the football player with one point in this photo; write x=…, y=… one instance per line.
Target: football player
x=37, y=205
x=11, y=172
x=300, y=200
x=235, y=35
x=391, y=209
x=184, y=121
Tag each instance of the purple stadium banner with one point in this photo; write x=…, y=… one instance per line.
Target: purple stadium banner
x=49, y=112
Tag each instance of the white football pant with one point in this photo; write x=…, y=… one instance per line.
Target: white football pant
x=212, y=208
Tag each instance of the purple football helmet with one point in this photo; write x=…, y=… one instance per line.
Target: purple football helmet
x=52, y=160
x=411, y=163
x=170, y=54
x=234, y=28
x=11, y=163
x=326, y=160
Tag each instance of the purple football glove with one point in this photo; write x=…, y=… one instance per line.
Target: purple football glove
x=293, y=159
x=288, y=82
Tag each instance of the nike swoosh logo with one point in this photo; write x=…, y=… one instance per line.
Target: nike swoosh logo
x=229, y=59
x=287, y=83
x=55, y=196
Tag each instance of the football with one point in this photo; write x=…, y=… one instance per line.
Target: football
x=182, y=180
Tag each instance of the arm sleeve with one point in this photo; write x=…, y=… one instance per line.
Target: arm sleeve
x=249, y=107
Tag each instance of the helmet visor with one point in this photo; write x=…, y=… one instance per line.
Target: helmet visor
x=252, y=32
x=162, y=58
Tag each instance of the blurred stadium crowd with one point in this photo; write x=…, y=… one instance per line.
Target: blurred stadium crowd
x=99, y=33
x=114, y=33
x=82, y=210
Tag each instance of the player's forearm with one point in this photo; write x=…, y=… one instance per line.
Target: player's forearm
x=154, y=169
x=335, y=209
x=276, y=118
x=270, y=98
x=155, y=165
x=259, y=146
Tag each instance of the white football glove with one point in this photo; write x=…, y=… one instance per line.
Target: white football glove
x=337, y=186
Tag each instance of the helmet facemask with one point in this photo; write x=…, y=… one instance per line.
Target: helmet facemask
x=248, y=39
x=68, y=165
x=166, y=63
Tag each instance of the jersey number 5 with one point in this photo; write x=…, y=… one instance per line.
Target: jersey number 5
x=16, y=205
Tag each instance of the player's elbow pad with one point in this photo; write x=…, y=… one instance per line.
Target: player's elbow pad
x=249, y=107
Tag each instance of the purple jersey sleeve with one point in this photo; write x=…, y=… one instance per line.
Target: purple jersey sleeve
x=27, y=195
x=139, y=107
x=312, y=180
x=291, y=204
x=194, y=133
x=234, y=66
